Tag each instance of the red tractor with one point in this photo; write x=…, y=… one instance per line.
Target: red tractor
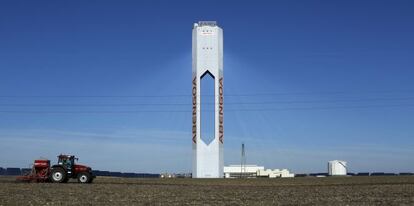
x=59, y=173
x=66, y=169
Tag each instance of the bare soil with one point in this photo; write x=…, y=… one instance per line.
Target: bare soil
x=393, y=190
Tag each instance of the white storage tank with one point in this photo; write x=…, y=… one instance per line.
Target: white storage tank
x=337, y=168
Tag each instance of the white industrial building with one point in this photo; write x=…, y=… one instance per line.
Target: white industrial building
x=274, y=173
x=337, y=168
x=237, y=171
x=207, y=63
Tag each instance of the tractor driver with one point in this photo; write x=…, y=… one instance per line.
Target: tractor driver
x=67, y=163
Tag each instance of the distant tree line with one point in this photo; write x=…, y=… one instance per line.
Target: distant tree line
x=124, y=174
x=358, y=174
x=13, y=171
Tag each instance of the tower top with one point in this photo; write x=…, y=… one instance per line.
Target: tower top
x=205, y=23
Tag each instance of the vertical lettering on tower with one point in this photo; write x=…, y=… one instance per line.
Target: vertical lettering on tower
x=194, y=93
x=221, y=128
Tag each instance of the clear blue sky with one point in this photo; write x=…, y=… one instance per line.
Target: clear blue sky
x=304, y=82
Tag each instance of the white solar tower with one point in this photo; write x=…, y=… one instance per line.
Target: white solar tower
x=207, y=63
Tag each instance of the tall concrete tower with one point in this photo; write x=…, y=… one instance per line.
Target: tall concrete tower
x=207, y=63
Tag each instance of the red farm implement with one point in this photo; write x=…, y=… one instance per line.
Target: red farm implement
x=40, y=172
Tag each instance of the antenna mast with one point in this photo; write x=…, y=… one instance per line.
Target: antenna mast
x=243, y=162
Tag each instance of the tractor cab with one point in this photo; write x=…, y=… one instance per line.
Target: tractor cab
x=67, y=161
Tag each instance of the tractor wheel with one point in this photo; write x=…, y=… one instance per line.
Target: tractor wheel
x=58, y=175
x=84, y=177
